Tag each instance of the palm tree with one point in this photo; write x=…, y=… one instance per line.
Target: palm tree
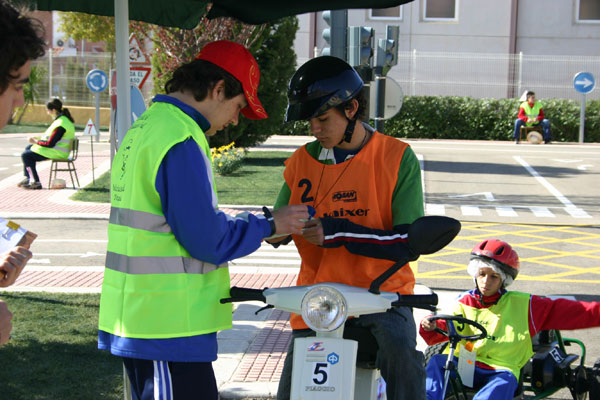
x=30, y=91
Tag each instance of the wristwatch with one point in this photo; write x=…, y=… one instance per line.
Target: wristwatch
x=269, y=218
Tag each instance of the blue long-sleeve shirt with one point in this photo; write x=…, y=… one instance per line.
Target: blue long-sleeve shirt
x=207, y=234
x=183, y=183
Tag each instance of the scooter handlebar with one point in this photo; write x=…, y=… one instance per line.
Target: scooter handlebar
x=244, y=294
x=426, y=301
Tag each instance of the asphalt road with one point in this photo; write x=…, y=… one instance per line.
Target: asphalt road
x=543, y=199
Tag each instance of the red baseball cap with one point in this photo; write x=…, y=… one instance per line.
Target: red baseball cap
x=237, y=60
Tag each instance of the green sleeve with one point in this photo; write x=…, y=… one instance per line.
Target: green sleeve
x=283, y=198
x=407, y=201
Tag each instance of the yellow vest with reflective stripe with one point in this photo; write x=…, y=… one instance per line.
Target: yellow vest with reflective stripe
x=531, y=112
x=152, y=287
x=508, y=342
x=63, y=146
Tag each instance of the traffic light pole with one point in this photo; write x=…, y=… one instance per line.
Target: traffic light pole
x=387, y=56
x=335, y=35
x=380, y=102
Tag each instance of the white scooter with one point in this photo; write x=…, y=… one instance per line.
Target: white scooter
x=324, y=365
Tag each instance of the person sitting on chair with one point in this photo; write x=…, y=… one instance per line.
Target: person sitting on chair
x=56, y=143
x=532, y=114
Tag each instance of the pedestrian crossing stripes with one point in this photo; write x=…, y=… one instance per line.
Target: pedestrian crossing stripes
x=506, y=211
x=285, y=257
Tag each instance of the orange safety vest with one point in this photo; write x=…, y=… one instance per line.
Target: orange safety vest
x=360, y=189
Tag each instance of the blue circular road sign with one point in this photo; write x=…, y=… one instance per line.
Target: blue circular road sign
x=96, y=80
x=584, y=82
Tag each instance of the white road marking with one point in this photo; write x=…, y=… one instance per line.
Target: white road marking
x=264, y=261
x=544, y=182
x=470, y=210
x=506, y=212
x=39, y=261
x=435, y=209
x=82, y=255
x=577, y=212
x=542, y=212
x=565, y=161
x=488, y=196
x=569, y=207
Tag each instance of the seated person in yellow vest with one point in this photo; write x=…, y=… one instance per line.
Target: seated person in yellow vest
x=530, y=114
x=168, y=243
x=510, y=318
x=56, y=143
x=366, y=188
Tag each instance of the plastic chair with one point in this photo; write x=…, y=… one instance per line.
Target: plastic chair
x=66, y=164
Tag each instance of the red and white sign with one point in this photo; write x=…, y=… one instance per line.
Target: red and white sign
x=137, y=56
x=90, y=129
x=138, y=76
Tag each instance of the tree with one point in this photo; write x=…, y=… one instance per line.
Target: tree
x=271, y=45
x=277, y=62
x=95, y=28
x=30, y=91
x=174, y=46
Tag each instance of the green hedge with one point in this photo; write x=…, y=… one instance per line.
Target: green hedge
x=433, y=117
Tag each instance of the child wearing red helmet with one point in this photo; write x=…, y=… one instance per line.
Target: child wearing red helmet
x=511, y=319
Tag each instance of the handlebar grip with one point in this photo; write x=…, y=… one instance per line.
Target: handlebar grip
x=244, y=294
x=426, y=301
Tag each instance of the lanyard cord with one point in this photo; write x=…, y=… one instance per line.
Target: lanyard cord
x=315, y=204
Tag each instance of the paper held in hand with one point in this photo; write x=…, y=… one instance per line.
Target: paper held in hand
x=12, y=234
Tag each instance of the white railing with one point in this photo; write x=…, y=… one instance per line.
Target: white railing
x=418, y=73
x=64, y=77
x=491, y=75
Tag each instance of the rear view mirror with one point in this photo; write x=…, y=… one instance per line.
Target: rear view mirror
x=425, y=236
x=430, y=234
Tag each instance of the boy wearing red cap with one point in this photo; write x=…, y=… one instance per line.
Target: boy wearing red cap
x=168, y=243
x=511, y=319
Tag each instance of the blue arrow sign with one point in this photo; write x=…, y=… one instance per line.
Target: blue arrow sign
x=96, y=80
x=584, y=82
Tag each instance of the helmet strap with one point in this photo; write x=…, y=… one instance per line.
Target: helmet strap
x=349, y=131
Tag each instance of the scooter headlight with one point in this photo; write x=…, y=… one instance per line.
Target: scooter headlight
x=324, y=309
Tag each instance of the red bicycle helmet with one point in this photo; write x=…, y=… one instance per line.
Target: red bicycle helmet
x=500, y=254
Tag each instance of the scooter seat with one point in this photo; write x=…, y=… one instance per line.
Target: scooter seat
x=367, y=346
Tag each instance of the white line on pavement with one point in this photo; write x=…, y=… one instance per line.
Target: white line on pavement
x=555, y=192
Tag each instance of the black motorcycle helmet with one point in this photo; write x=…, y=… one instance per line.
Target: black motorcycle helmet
x=320, y=84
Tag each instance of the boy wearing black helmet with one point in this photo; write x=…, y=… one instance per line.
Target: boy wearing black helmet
x=510, y=318
x=366, y=189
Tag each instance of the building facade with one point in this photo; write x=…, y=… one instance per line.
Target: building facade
x=456, y=47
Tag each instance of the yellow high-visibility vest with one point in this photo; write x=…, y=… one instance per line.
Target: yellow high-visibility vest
x=153, y=287
x=63, y=146
x=531, y=112
x=508, y=342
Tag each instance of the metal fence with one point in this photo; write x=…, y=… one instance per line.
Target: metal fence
x=418, y=73
x=64, y=77
x=491, y=75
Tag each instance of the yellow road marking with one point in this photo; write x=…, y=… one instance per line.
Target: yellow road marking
x=539, y=238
